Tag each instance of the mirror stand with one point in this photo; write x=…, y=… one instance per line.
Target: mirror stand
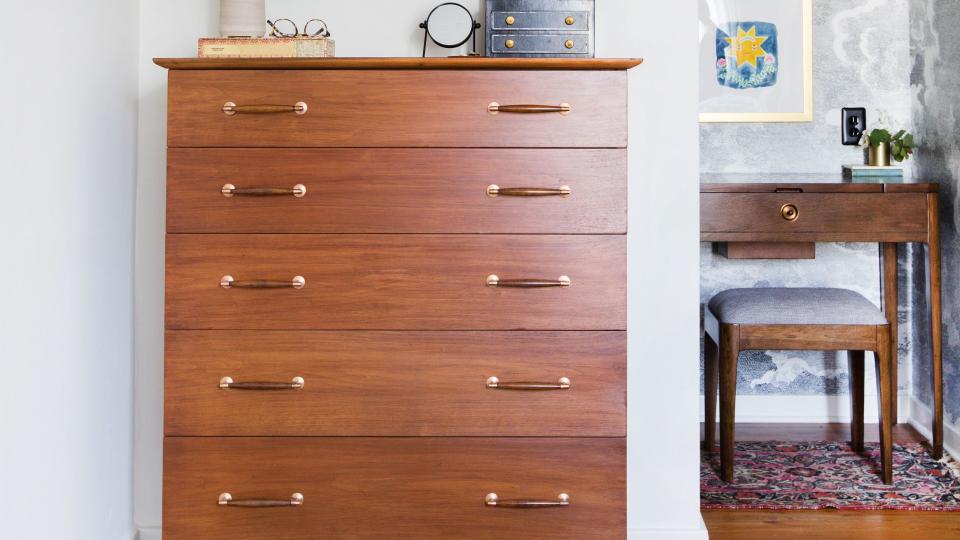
x=472, y=34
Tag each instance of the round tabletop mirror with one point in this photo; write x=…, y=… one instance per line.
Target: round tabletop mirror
x=449, y=25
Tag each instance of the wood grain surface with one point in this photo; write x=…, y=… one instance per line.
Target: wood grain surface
x=396, y=383
x=396, y=282
x=398, y=488
x=397, y=109
x=453, y=62
x=396, y=191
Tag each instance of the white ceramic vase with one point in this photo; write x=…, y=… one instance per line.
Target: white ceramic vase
x=243, y=18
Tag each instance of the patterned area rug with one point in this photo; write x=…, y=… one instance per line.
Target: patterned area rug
x=819, y=475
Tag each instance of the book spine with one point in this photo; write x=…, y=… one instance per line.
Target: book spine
x=265, y=48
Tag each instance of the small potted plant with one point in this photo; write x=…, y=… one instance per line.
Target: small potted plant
x=881, y=145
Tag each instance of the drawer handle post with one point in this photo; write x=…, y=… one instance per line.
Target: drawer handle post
x=227, y=383
x=230, y=190
x=228, y=282
x=494, y=190
x=494, y=383
x=226, y=499
x=494, y=280
x=790, y=212
x=230, y=109
x=493, y=499
x=563, y=109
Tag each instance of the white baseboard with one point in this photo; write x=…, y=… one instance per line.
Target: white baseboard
x=805, y=409
x=695, y=533
x=149, y=533
x=921, y=418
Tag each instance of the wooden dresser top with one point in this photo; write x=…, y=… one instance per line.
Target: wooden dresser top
x=460, y=63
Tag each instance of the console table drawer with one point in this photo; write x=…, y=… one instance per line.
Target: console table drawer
x=354, y=383
x=771, y=217
x=293, y=108
x=402, y=488
x=396, y=282
x=396, y=191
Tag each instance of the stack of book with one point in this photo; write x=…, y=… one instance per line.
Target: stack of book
x=298, y=47
x=858, y=172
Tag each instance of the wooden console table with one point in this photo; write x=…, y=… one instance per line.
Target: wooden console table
x=783, y=220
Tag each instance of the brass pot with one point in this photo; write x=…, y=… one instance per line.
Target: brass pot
x=879, y=156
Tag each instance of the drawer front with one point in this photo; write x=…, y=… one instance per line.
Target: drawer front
x=789, y=216
x=396, y=191
x=577, y=21
x=395, y=282
x=356, y=383
x=540, y=43
x=403, y=488
x=396, y=109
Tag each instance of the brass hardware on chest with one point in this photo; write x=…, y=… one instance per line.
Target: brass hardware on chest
x=570, y=20
x=226, y=499
x=569, y=44
x=511, y=19
x=494, y=190
x=228, y=282
x=790, y=212
x=230, y=190
x=494, y=280
x=227, y=383
x=510, y=44
x=562, y=109
x=230, y=109
x=494, y=383
x=492, y=499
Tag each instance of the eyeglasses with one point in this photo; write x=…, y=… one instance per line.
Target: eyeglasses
x=288, y=29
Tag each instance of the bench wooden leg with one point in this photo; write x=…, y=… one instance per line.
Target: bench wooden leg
x=857, y=368
x=729, y=352
x=884, y=391
x=711, y=378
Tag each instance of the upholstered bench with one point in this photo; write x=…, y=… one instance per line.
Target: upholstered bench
x=794, y=319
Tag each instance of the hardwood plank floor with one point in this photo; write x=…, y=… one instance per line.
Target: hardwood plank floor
x=827, y=524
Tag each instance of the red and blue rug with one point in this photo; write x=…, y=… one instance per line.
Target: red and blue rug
x=821, y=475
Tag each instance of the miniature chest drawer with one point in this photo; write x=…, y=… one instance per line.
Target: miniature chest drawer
x=396, y=282
x=291, y=108
x=400, y=488
x=527, y=191
x=521, y=384
x=540, y=28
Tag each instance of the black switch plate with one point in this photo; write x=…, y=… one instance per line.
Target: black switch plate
x=854, y=125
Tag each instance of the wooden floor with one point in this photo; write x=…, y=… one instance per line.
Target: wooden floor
x=827, y=524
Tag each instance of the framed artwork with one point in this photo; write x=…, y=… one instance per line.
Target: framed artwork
x=756, y=60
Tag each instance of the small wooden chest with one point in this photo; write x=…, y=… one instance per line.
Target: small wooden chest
x=540, y=28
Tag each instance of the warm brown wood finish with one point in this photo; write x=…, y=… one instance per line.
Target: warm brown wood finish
x=401, y=282
x=848, y=217
x=766, y=250
x=454, y=63
x=396, y=191
x=396, y=383
x=842, y=211
x=402, y=488
x=398, y=109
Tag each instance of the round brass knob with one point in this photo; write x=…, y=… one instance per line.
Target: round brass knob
x=568, y=44
x=510, y=44
x=511, y=19
x=569, y=20
x=789, y=212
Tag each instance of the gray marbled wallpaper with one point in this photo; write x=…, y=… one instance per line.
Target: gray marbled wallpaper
x=861, y=58
x=935, y=47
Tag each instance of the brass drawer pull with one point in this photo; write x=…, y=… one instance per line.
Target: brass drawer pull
x=227, y=282
x=790, y=212
x=494, y=383
x=227, y=383
x=494, y=190
x=493, y=500
x=227, y=499
x=494, y=280
x=563, y=109
x=230, y=190
x=230, y=108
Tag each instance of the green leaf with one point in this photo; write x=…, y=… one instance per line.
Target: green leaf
x=899, y=134
x=908, y=140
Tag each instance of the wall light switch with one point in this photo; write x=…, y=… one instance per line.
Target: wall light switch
x=854, y=125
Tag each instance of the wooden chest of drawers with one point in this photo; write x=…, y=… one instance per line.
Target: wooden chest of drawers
x=396, y=300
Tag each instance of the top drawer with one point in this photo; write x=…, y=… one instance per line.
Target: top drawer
x=397, y=109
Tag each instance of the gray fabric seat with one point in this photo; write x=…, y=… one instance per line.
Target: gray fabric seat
x=803, y=306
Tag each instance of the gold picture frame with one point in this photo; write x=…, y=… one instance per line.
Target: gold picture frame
x=804, y=116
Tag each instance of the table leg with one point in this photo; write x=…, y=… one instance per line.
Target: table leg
x=890, y=308
x=936, y=322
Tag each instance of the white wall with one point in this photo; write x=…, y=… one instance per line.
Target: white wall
x=664, y=318
x=67, y=152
